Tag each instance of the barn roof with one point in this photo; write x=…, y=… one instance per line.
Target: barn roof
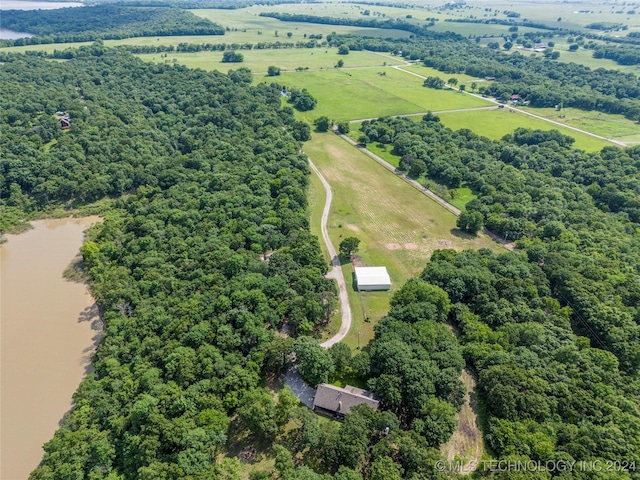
x=372, y=276
x=342, y=400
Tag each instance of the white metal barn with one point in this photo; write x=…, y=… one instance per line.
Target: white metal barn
x=372, y=278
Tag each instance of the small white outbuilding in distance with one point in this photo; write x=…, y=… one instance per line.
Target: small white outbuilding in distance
x=372, y=278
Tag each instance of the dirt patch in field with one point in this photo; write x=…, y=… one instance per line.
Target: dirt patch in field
x=444, y=243
x=356, y=261
x=352, y=227
x=393, y=246
x=411, y=246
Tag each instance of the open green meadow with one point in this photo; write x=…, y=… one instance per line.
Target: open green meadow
x=345, y=94
x=398, y=226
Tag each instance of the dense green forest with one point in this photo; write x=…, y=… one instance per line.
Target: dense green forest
x=103, y=21
x=575, y=212
x=548, y=394
x=207, y=178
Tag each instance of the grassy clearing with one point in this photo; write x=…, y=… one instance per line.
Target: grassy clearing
x=258, y=61
x=497, y=123
x=466, y=444
x=345, y=94
x=605, y=124
x=398, y=226
x=461, y=196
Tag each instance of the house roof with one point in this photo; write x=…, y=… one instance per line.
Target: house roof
x=342, y=400
x=372, y=276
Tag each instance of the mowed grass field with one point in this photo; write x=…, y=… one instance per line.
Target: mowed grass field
x=345, y=94
x=398, y=226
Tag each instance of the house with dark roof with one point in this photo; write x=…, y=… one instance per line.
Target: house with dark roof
x=338, y=401
x=65, y=120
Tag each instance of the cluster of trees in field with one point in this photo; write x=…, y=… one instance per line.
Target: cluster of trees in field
x=575, y=212
x=111, y=21
x=541, y=82
x=185, y=47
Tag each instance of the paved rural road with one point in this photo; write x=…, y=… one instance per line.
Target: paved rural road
x=423, y=189
x=336, y=269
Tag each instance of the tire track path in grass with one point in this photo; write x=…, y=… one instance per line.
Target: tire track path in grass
x=336, y=267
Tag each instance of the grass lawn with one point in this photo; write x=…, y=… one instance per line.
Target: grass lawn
x=258, y=61
x=497, y=123
x=398, y=226
x=605, y=124
x=345, y=94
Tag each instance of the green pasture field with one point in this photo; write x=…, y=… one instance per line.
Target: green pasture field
x=345, y=94
x=258, y=61
x=608, y=125
x=497, y=123
x=398, y=226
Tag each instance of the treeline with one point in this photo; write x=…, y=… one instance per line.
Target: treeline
x=622, y=55
x=112, y=21
x=540, y=81
x=574, y=213
x=397, y=23
x=502, y=21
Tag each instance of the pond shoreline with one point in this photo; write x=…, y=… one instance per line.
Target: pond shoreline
x=50, y=329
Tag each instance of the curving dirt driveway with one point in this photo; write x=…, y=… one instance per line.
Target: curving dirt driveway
x=336, y=269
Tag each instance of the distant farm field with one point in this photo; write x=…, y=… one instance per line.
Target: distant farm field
x=345, y=94
x=399, y=227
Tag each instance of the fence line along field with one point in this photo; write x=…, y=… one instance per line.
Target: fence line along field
x=398, y=226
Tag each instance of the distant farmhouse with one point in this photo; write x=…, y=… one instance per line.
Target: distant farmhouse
x=540, y=47
x=372, y=278
x=64, y=119
x=337, y=401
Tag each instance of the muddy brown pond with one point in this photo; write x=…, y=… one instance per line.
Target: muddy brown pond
x=49, y=330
